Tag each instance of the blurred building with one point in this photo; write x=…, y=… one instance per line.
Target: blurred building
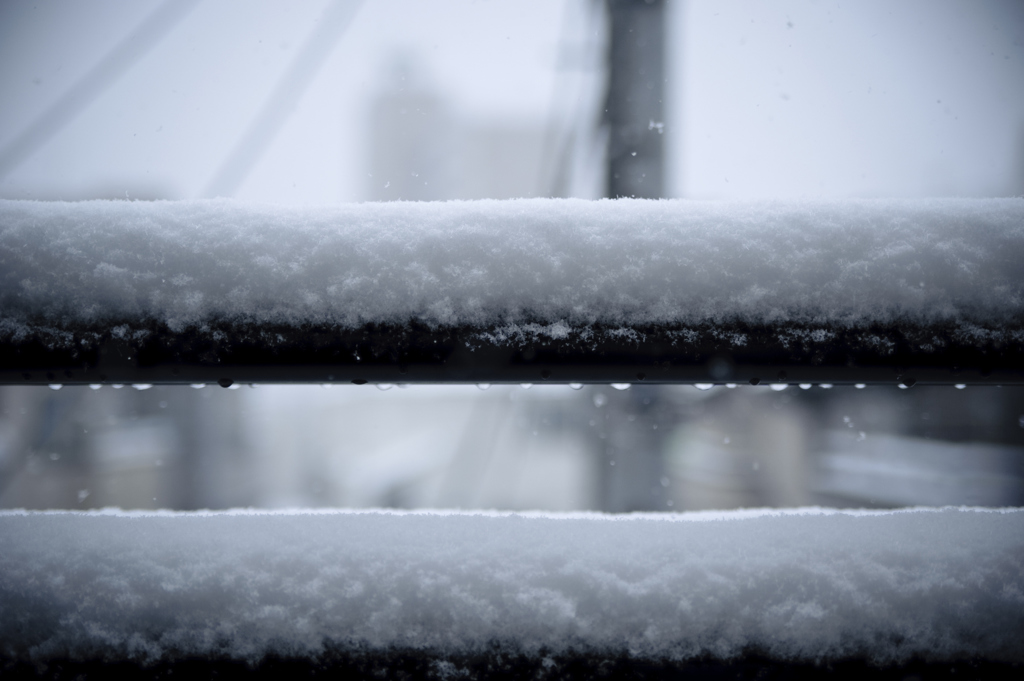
x=420, y=149
x=157, y=448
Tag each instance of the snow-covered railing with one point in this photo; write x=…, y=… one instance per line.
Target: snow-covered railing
x=514, y=291
x=743, y=594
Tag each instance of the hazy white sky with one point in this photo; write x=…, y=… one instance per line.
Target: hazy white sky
x=789, y=98
x=861, y=98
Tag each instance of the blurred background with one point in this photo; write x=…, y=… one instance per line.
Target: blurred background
x=550, y=447
x=338, y=101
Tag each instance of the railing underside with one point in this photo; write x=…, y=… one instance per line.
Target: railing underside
x=500, y=663
x=127, y=352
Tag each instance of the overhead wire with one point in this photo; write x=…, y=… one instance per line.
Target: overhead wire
x=282, y=101
x=93, y=84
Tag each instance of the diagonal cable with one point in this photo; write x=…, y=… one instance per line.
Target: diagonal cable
x=83, y=93
x=283, y=99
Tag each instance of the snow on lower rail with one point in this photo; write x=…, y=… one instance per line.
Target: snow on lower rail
x=561, y=263
x=931, y=584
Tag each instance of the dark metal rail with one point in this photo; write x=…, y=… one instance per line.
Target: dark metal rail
x=225, y=354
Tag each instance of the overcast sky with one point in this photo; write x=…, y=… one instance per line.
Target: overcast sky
x=782, y=99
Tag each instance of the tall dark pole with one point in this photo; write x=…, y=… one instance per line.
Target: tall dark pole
x=630, y=459
x=635, y=106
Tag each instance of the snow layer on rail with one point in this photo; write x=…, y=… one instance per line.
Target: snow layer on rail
x=560, y=263
x=940, y=584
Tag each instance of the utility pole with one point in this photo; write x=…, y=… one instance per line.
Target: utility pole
x=630, y=459
x=634, y=110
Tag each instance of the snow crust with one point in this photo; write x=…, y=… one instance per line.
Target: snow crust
x=558, y=265
x=942, y=584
